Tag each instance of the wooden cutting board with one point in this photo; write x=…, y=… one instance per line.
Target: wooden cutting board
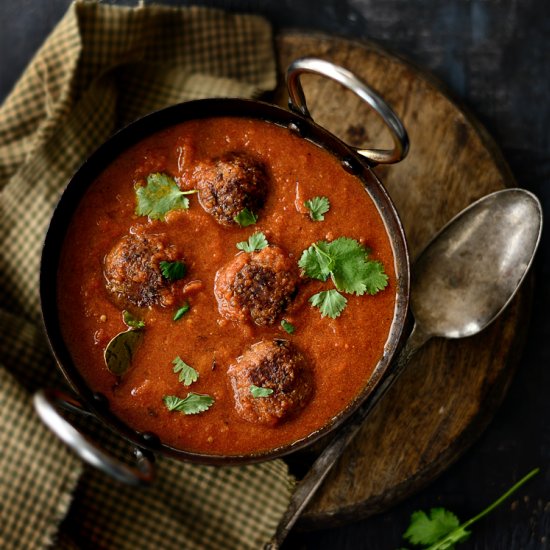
x=451, y=389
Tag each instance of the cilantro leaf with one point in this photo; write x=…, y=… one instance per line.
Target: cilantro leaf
x=160, y=196
x=427, y=530
x=353, y=272
x=172, y=270
x=316, y=261
x=246, y=217
x=256, y=241
x=194, y=403
x=330, y=302
x=346, y=261
x=350, y=265
x=318, y=207
x=131, y=321
x=181, y=311
x=187, y=374
x=375, y=278
x=289, y=327
x=256, y=391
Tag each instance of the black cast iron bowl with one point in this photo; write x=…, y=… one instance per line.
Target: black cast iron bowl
x=298, y=119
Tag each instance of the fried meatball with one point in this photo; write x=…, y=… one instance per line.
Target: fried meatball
x=229, y=184
x=275, y=365
x=132, y=270
x=256, y=286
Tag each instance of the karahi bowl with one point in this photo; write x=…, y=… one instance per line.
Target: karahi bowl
x=297, y=119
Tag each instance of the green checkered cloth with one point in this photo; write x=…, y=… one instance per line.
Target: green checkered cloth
x=102, y=67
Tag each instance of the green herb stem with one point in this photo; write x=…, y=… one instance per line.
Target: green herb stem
x=501, y=499
x=451, y=537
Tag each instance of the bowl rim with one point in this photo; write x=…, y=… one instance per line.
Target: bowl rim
x=154, y=122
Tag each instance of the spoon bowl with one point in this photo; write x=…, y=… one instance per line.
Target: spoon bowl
x=472, y=268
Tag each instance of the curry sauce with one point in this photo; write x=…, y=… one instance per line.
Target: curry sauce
x=339, y=354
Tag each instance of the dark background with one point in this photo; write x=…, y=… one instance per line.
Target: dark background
x=494, y=56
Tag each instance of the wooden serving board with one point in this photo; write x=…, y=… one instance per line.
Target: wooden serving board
x=451, y=389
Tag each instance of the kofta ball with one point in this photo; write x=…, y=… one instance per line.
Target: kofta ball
x=256, y=286
x=229, y=184
x=271, y=365
x=132, y=270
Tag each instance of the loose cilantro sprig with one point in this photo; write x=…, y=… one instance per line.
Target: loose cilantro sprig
x=346, y=262
x=318, y=207
x=173, y=271
x=441, y=529
x=246, y=217
x=257, y=392
x=160, y=196
x=187, y=374
x=194, y=403
x=256, y=241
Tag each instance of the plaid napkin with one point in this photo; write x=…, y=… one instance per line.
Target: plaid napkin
x=102, y=67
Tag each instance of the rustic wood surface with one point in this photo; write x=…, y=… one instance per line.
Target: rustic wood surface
x=451, y=388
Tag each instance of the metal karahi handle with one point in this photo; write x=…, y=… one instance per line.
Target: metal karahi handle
x=47, y=404
x=297, y=103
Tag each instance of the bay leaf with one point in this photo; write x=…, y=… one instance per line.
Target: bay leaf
x=121, y=349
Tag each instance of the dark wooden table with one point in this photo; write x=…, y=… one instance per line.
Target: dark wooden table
x=494, y=56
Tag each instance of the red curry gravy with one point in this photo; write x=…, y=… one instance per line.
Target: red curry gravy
x=341, y=352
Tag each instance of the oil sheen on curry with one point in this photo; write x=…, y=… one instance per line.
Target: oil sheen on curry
x=226, y=285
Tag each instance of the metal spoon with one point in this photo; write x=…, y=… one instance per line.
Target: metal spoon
x=460, y=283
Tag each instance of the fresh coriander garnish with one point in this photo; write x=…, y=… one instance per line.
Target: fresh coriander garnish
x=330, y=302
x=318, y=207
x=441, y=529
x=131, y=321
x=187, y=374
x=256, y=241
x=194, y=403
x=181, y=311
x=256, y=391
x=246, y=217
x=346, y=261
x=289, y=327
x=172, y=270
x=316, y=261
x=160, y=196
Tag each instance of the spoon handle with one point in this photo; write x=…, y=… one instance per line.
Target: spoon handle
x=325, y=461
